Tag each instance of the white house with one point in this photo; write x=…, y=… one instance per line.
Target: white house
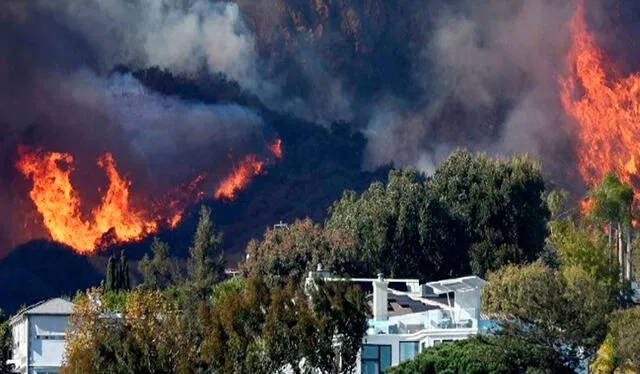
x=39, y=337
x=406, y=322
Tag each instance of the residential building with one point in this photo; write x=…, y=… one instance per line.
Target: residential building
x=406, y=322
x=38, y=334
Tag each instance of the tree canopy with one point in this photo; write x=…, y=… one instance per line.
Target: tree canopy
x=288, y=253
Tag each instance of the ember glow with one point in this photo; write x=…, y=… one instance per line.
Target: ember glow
x=241, y=175
x=276, y=148
x=59, y=202
x=605, y=106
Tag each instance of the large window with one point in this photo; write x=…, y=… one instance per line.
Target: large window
x=408, y=350
x=375, y=358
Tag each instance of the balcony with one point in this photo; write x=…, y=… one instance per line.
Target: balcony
x=437, y=319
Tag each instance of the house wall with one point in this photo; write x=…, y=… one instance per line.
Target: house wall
x=19, y=337
x=47, y=340
x=425, y=338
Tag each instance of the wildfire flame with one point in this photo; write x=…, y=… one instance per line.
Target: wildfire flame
x=59, y=203
x=606, y=109
x=276, y=148
x=114, y=220
x=239, y=178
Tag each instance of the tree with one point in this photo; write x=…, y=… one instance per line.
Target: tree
x=562, y=311
x=401, y=229
x=161, y=271
x=117, y=277
x=111, y=283
x=123, y=271
x=265, y=330
x=625, y=332
x=577, y=245
x=342, y=312
x=479, y=355
x=287, y=254
x=612, y=205
x=500, y=205
x=206, y=262
x=146, y=338
x=5, y=344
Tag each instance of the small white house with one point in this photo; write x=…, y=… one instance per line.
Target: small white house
x=406, y=322
x=39, y=337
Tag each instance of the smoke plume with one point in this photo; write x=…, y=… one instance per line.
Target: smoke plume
x=489, y=73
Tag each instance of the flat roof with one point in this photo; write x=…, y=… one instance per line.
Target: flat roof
x=457, y=284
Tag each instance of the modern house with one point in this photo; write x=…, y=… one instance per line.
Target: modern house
x=406, y=322
x=39, y=337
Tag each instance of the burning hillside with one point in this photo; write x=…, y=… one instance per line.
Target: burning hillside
x=115, y=219
x=605, y=106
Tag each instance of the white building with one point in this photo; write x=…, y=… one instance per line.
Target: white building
x=39, y=337
x=406, y=322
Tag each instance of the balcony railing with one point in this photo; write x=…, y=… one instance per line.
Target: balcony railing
x=439, y=319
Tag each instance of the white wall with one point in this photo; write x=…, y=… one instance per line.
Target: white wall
x=426, y=336
x=46, y=340
x=19, y=336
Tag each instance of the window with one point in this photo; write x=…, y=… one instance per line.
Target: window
x=408, y=350
x=438, y=342
x=50, y=337
x=375, y=358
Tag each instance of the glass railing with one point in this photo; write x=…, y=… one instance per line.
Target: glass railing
x=430, y=320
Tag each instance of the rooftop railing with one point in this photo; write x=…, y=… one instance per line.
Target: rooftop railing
x=439, y=319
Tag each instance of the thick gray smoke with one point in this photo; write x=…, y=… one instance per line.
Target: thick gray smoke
x=489, y=69
x=56, y=92
x=182, y=36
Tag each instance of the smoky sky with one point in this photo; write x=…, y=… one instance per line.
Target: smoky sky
x=57, y=92
x=418, y=77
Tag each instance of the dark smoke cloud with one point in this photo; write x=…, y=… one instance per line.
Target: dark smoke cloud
x=56, y=92
x=423, y=77
x=489, y=71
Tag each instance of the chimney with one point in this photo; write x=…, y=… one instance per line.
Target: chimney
x=380, y=312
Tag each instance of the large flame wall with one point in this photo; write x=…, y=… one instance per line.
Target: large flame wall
x=604, y=105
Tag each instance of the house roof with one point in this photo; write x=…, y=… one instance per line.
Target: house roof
x=401, y=303
x=56, y=306
x=457, y=284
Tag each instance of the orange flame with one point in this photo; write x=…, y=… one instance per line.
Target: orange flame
x=59, y=203
x=240, y=177
x=276, y=148
x=606, y=109
x=114, y=220
x=585, y=206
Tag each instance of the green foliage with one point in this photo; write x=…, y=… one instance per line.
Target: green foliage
x=557, y=203
x=263, y=330
x=400, y=229
x=115, y=301
x=161, y=271
x=341, y=310
x=500, y=205
x=480, y=355
x=233, y=285
x=563, y=311
x=474, y=214
x=287, y=254
x=625, y=331
x=148, y=337
x=612, y=200
x=117, y=277
x=579, y=246
x=462, y=357
x=5, y=344
x=110, y=283
x=206, y=261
